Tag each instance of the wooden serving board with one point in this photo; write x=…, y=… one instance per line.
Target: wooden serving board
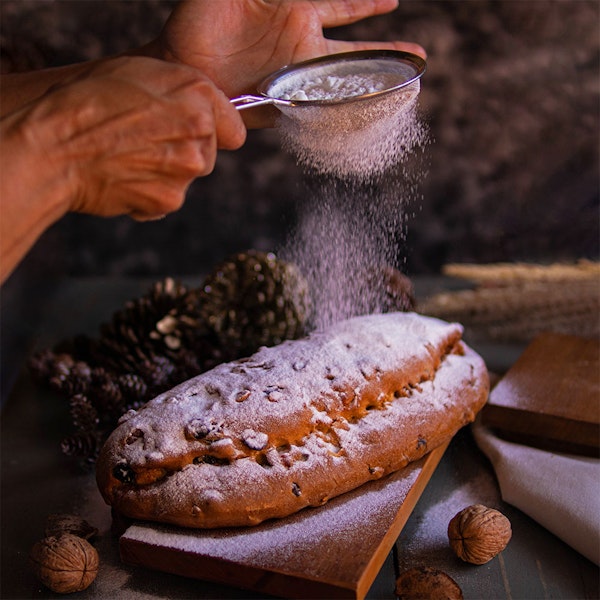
x=334, y=551
x=550, y=397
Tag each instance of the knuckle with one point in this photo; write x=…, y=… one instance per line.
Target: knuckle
x=198, y=158
x=187, y=158
x=199, y=123
x=171, y=199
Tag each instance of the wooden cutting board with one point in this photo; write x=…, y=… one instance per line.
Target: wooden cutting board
x=334, y=551
x=550, y=397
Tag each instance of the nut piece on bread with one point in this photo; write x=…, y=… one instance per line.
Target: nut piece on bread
x=295, y=424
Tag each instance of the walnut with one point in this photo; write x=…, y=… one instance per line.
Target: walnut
x=478, y=533
x=65, y=563
x=427, y=582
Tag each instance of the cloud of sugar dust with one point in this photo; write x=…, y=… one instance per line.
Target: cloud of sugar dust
x=360, y=185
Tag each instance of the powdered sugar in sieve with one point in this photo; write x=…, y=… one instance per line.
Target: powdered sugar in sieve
x=341, y=113
x=359, y=139
x=344, y=77
x=337, y=79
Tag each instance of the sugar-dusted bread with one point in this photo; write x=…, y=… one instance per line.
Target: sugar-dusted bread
x=294, y=425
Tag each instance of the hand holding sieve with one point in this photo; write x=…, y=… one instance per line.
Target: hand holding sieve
x=391, y=70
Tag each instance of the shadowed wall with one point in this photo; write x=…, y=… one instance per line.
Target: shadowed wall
x=510, y=96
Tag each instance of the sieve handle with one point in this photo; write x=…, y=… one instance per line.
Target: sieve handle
x=248, y=101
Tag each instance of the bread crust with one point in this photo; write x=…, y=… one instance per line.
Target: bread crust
x=294, y=425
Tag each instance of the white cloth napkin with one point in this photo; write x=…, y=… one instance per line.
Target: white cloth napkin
x=559, y=491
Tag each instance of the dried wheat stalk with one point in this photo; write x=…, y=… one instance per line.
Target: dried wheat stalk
x=501, y=273
x=517, y=302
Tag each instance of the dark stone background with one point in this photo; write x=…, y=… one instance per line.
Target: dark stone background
x=511, y=97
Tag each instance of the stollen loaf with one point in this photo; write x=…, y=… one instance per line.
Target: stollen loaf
x=295, y=424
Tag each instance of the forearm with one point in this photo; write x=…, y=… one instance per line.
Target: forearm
x=18, y=89
x=33, y=195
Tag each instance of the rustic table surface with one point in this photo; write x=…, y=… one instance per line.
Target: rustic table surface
x=37, y=481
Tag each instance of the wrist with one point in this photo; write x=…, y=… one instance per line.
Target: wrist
x=34, y=191
x=46, y=173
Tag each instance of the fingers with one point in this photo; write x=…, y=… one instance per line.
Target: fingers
x=335, y=46
x=214, y=112
x=231, y=130
x=152, y=200
x=334, y=13
x=185, y=84
x=208, y=112
x=146, y=175
x=140, y=131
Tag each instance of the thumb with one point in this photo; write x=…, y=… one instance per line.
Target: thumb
x=230, y=128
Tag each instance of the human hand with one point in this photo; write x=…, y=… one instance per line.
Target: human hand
x=125, y=136
x=134, y=133
x=239, y=42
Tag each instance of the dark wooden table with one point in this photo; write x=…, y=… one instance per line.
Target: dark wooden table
x=37, y=481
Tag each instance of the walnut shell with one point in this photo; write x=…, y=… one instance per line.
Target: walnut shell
x=478, y=533
x=65, y=563
x=426, y=582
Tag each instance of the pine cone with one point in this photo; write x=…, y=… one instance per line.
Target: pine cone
x=158, y=373
x=134, y=390
x=61, y=372
x=105, y=395
x=253, y=299
x=71, y=377
x=168, y=336
x=41, y=365
x=83, y=414
x=161, y=323
x=398, y=290
x=82, y=445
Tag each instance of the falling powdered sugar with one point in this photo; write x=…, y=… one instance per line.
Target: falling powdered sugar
x=358, y=139
x=363, y=162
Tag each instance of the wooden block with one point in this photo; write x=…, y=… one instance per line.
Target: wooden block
x=334, y=551
x=550, y=398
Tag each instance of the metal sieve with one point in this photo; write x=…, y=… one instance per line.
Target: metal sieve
x=399, y=70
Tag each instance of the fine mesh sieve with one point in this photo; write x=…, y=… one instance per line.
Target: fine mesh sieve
x=328, y=79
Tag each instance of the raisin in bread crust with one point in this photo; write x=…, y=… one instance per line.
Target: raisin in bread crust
x=294, y=425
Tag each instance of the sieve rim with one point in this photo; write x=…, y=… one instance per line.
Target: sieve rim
x=408, y=58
